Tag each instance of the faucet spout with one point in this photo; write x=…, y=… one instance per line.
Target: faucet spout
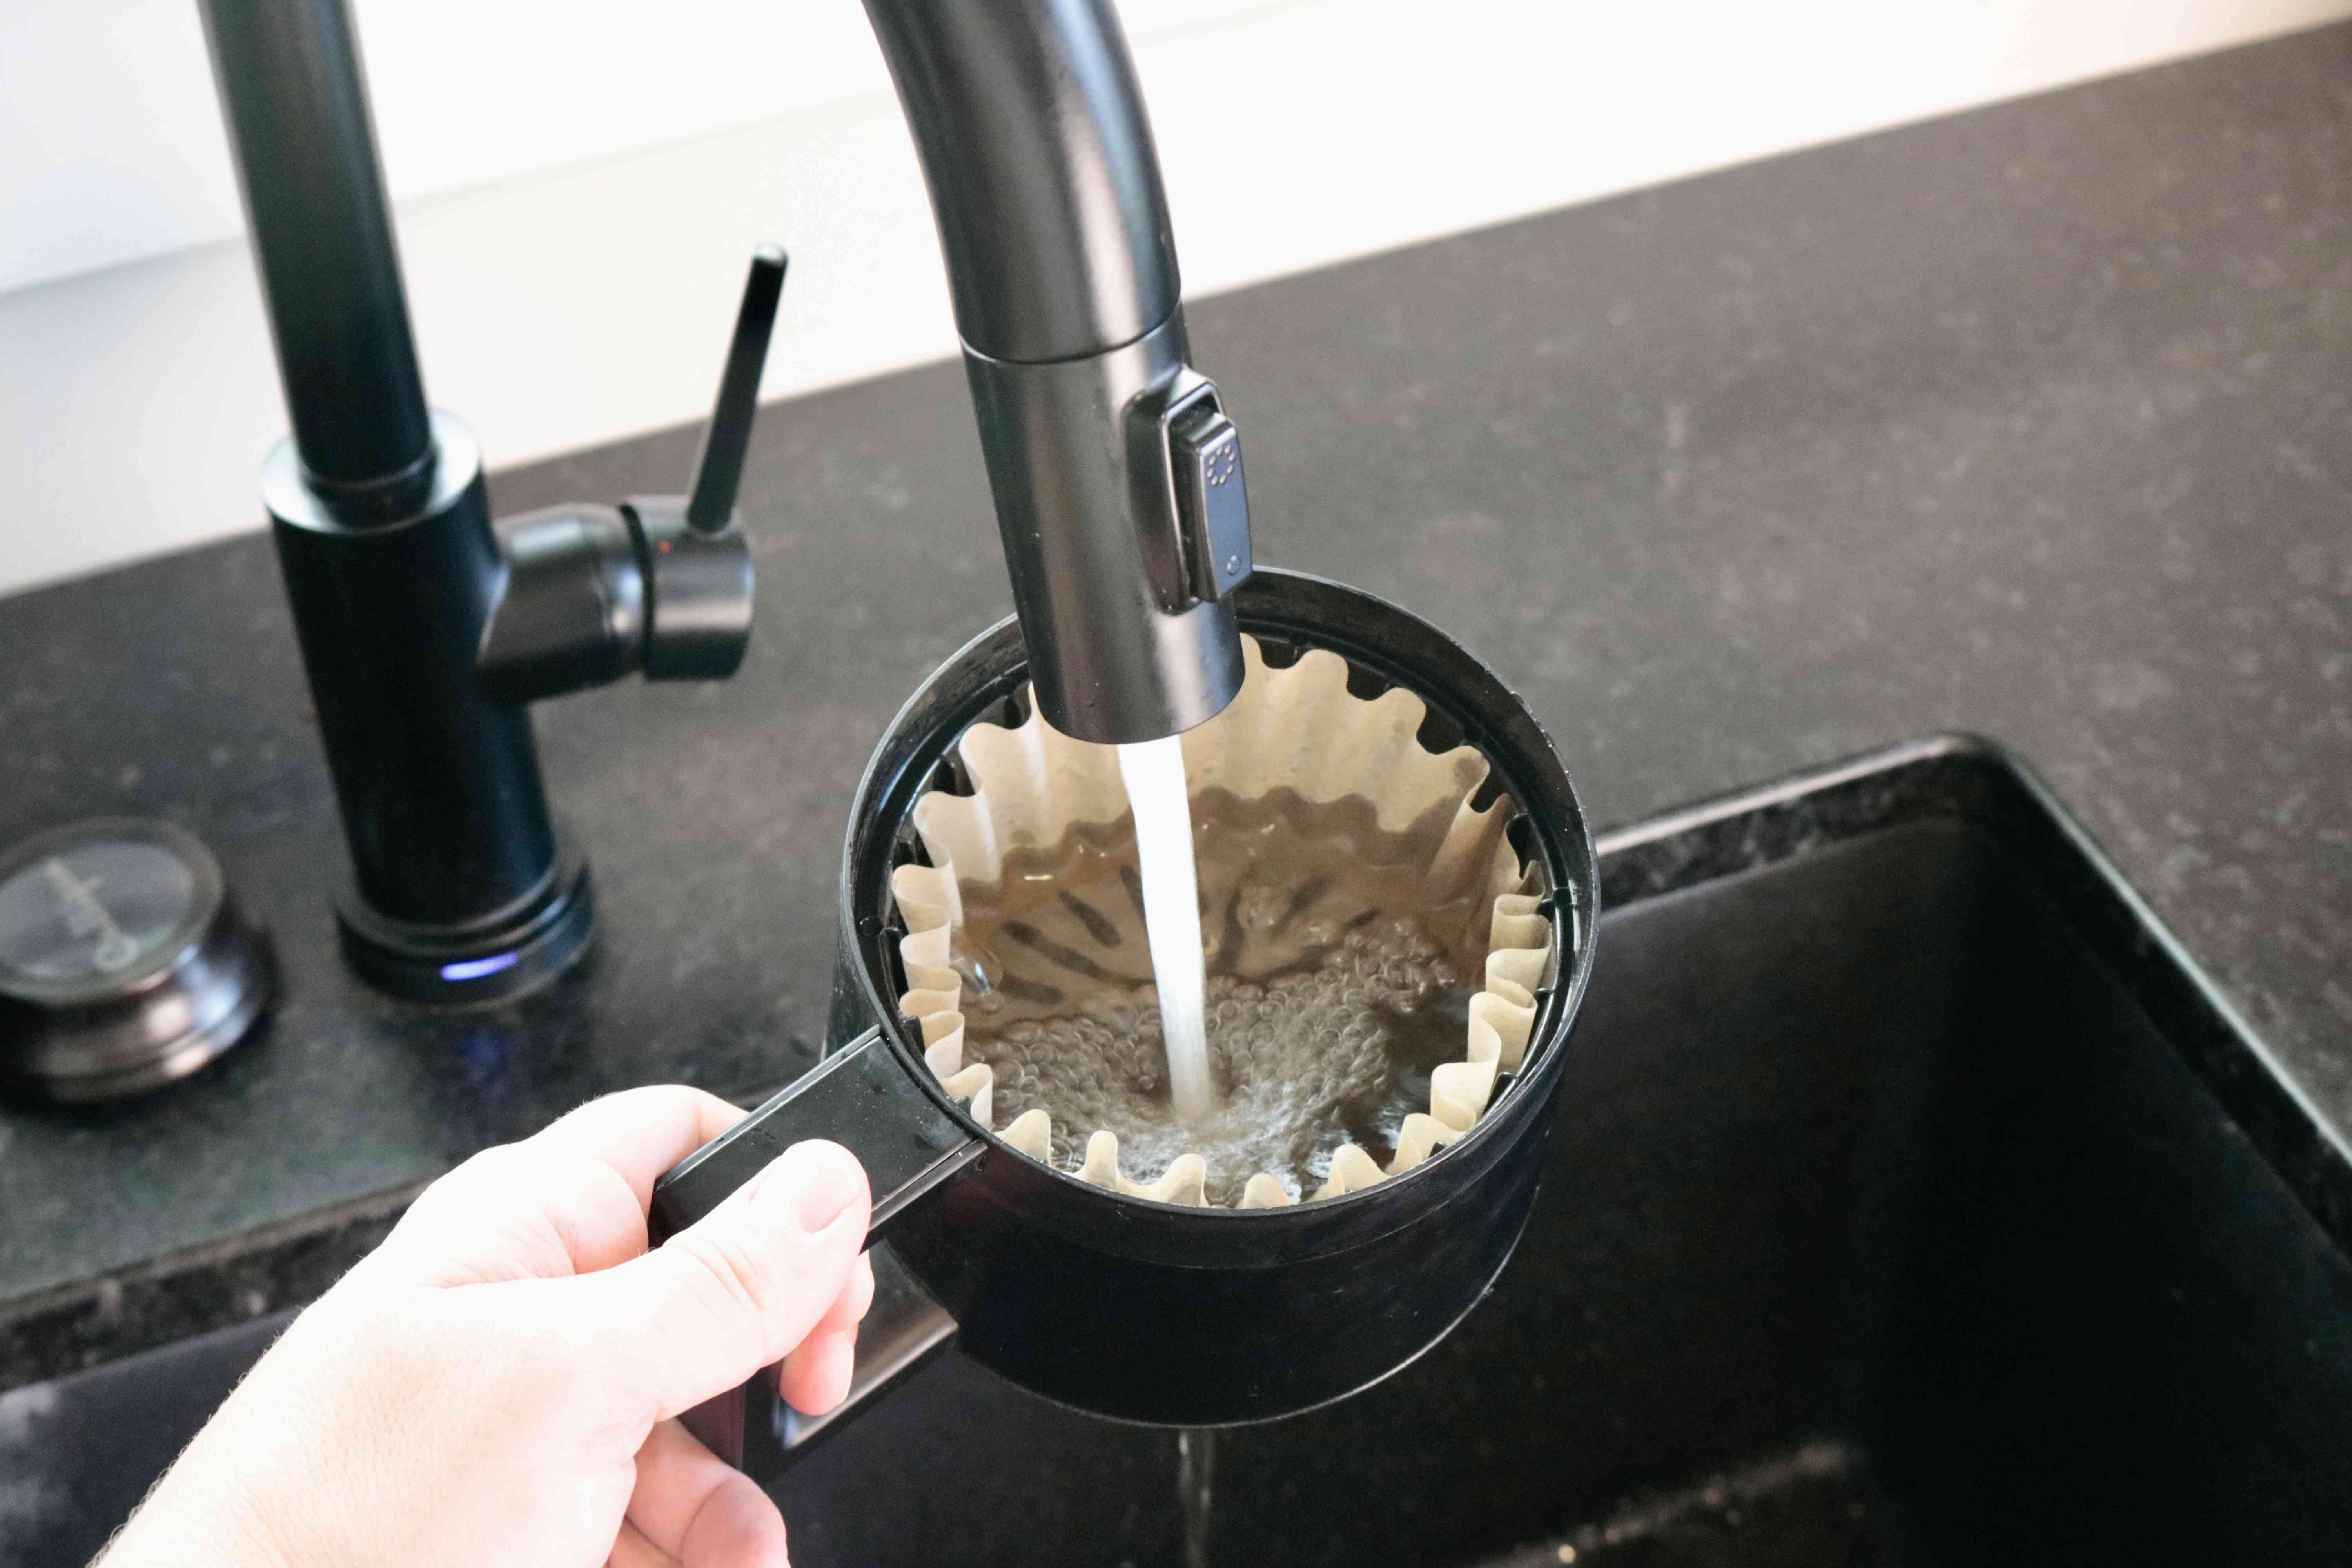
x=1116, y=474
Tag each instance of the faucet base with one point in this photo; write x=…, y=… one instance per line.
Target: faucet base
x=502, y=956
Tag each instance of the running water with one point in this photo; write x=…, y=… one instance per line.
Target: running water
x=1154, y=775
x=1196, y=1474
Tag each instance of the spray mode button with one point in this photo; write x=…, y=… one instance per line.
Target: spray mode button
x=1212, y=501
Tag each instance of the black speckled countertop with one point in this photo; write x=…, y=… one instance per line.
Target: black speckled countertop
x=2033, y=421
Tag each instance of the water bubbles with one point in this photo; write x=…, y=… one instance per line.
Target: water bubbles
x=1303, y=1063
x=1329, y=996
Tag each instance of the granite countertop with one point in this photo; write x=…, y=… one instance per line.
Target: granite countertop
x=2031, y=421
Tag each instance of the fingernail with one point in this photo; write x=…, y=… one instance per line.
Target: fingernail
x=810, y=1190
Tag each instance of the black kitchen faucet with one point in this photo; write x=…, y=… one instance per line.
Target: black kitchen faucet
x=427, y=629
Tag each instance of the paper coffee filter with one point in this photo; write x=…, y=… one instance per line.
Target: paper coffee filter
x=1297, y=729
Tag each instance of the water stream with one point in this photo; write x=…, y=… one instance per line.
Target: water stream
x=1153, y=772
x=1196, y=1465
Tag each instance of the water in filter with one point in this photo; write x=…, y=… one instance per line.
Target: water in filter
x=1332, y=986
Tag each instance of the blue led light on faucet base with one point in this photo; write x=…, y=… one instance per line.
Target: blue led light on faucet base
x=474, y=968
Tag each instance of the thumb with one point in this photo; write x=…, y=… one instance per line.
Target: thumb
x=738, y=1290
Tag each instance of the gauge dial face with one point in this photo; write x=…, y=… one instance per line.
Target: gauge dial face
x=92, y=913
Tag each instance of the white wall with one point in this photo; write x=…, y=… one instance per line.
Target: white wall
x=575, y=202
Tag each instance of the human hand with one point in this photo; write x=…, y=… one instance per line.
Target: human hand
x=500, y=1382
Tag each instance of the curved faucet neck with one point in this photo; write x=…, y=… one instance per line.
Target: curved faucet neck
x=1043, y=175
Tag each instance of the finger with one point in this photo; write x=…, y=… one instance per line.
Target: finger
x=631, y=1550
x=816, y=1376
x=857, y=1298
x=700, y=1511
x=568, y=1200
x=737, y=1290
x=513, y=1213
x=640, y=1132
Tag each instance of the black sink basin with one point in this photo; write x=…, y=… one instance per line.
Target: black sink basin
x=1912, y=1200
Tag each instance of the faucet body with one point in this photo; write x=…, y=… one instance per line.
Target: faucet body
x=384, y=532
x=427, y=627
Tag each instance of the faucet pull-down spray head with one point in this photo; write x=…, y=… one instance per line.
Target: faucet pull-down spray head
x=1116, y=475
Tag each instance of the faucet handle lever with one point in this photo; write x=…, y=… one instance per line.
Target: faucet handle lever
x=662, y=583
x=719, y=470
